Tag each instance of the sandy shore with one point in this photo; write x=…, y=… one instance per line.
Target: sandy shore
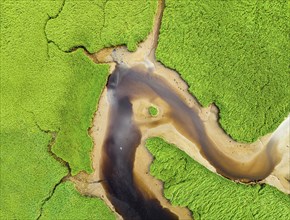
x=90, y=185
x=145, y=56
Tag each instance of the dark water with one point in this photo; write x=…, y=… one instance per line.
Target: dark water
x=123, y=137
x=118, y=158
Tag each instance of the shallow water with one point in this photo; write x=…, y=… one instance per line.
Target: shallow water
x=126, y=85
x=118, y=158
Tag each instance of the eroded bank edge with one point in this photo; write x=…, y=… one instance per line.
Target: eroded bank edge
x=68, y=177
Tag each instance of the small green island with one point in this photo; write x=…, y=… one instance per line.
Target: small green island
x=153, y=111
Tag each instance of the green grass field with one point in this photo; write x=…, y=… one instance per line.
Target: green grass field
x=234, y=54
x=49, y=95
x=209, y=196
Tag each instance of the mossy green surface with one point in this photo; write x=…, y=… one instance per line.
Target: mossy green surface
x=234, y=54
x=67, y=203
x=97, y=24
x=209, y=196
x=153, y=111
x=44, y=90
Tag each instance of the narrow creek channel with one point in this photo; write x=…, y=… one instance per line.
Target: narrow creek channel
x=118, y=158
x=123, y=137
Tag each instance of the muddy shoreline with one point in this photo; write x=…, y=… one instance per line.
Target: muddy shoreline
x=128, y=85
x=145, y=55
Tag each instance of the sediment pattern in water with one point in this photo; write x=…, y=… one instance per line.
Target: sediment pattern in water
x=123, y=137
x=118, y=159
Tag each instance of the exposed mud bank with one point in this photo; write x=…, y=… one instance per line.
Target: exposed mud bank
x=130, y=85
x=127, y=85
x=143, y=60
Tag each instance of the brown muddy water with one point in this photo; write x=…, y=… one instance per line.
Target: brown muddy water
x=131, y=201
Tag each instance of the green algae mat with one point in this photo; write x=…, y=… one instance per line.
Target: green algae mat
x=231, y=53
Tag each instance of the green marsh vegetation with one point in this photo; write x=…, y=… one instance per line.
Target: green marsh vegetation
x=209, y=196
x=153, y=111
x=229, y=55
x=101, y=23
x=49, y=95
x=234, y=54
x=68, y=203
